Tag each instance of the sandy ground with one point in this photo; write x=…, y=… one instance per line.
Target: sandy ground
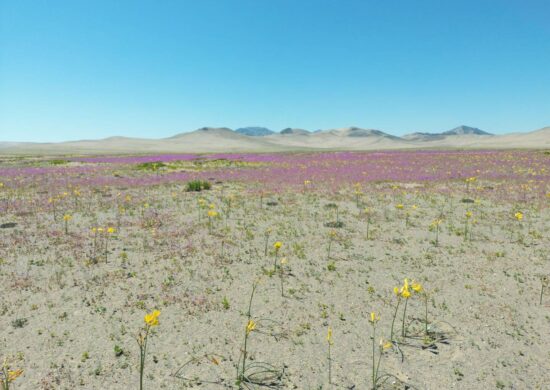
x=67, y=308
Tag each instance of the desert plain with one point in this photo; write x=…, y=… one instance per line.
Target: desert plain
x=449, y=248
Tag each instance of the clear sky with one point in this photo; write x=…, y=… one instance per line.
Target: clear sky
x=92, y=69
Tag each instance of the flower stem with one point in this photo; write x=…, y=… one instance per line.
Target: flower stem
x=394, y=317
x=426, y=315
x=373, y=356
x=329, y=366
x=404, y=316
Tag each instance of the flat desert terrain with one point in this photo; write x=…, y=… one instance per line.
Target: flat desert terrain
x=303, y=270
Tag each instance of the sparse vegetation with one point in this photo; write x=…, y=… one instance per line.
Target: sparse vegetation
x=84, y=255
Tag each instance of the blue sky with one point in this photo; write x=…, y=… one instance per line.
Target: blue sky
x=92, y=69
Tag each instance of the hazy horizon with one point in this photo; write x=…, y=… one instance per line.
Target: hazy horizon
x=71, y=70
x=276, y=131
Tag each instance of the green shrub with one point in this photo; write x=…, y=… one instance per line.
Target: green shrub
x=58, y=162
x=198, y=185
x=151, y=166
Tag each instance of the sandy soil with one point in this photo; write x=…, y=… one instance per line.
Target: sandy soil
x=70, y=314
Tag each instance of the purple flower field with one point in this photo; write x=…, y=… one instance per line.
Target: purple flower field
x=326, y=171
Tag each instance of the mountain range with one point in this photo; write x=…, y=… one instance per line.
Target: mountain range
x=261, y=139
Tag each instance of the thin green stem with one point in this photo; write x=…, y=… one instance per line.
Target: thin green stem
x=249, y=313
x=377, y=368
x=404, y=316
x=329, y=366
x=426, y=314
x=394, y=317
x=143, y=353
x=241, y=376
x=373, y=356
x=282, y=282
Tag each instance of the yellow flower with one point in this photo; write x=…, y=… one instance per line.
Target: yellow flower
x=277, y=245
x=284, y=261
x=374, y=318
x=519, y=215
x=405, y=293
x=417, y=287
x=329, y=335
x=307, y=182
x=152, y=319
x=250, y=326
x=396, y=291
x=13, y=375
x=211, y=206
x=399, y=206
x=414, y=207
x=437, y=222
x=385, y=344
x=468, y=214
x=212, y=213
x=111, y=230
x=100, y=230
x=67, y=217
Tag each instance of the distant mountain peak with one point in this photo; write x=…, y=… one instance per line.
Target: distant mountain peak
x=212, y=130
x=254, y=131
x=354, y=131
x=462, y=130
x=290, y=130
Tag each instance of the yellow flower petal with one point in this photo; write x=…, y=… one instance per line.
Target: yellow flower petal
x=13, y=375
x=374, y=318
x=151, y=319
x=250, y=326
x=329, y=335
x=417, y=287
